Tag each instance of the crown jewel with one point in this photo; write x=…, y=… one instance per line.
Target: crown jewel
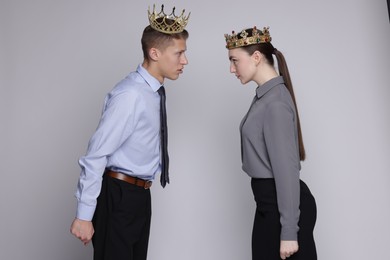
x=167, y=23
x=239, y=40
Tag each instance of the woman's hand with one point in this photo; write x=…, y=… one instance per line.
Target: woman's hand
x=288, y=248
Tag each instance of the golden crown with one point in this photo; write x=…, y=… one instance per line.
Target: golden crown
x=167, y=23
x=239, y=40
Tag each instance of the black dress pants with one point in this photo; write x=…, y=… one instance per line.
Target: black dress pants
x=121, y=221
x=267, y=228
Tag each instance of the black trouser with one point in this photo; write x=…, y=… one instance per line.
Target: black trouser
x=266, y=228
x=121, y=221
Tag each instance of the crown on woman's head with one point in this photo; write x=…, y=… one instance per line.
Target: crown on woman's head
x=167, y=23
x=242, y=39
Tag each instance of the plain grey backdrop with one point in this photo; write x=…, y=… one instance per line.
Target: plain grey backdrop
x=58, y=59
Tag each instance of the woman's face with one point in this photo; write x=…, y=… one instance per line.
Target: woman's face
x=242, y=65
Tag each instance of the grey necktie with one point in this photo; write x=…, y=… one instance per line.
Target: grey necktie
x=164, y=179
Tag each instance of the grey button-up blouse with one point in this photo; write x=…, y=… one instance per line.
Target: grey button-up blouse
x=270, y=149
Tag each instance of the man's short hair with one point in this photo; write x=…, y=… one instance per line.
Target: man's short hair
x=155, y=39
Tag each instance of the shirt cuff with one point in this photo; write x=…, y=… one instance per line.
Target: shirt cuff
x=85, y=212
x=289, y=234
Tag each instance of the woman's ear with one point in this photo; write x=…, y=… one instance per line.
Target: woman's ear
x=154, y=54
x=258, y=57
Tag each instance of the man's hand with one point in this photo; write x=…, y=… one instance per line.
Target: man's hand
x=82, y=229
x=288, y=248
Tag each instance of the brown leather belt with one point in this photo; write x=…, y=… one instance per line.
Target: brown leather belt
x=132, y=180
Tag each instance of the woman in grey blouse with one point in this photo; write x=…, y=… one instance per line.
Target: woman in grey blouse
x=271, y=151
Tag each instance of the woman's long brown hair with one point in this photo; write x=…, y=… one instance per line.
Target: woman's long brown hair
x=283, y=71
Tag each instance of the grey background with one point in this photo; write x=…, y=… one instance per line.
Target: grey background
x=58, y=59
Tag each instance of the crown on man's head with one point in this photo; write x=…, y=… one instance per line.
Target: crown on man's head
x=167, y=23
x=239, y=40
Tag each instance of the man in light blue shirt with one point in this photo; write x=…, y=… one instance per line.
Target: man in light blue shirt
x=124, y=154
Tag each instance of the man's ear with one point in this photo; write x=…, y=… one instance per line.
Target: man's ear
x=154, y=54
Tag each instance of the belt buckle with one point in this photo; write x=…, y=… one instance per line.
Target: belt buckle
x=148, y=184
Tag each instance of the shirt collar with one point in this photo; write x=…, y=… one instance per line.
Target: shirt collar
x=152, y=81
x=267, y=86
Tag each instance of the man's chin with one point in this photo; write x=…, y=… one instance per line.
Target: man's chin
x=173, y=77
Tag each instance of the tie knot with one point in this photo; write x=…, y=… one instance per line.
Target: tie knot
x=161, y=91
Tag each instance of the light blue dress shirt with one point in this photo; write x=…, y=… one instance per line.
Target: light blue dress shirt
x=126, y=140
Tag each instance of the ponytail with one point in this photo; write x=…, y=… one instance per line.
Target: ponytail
x=283, y=71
